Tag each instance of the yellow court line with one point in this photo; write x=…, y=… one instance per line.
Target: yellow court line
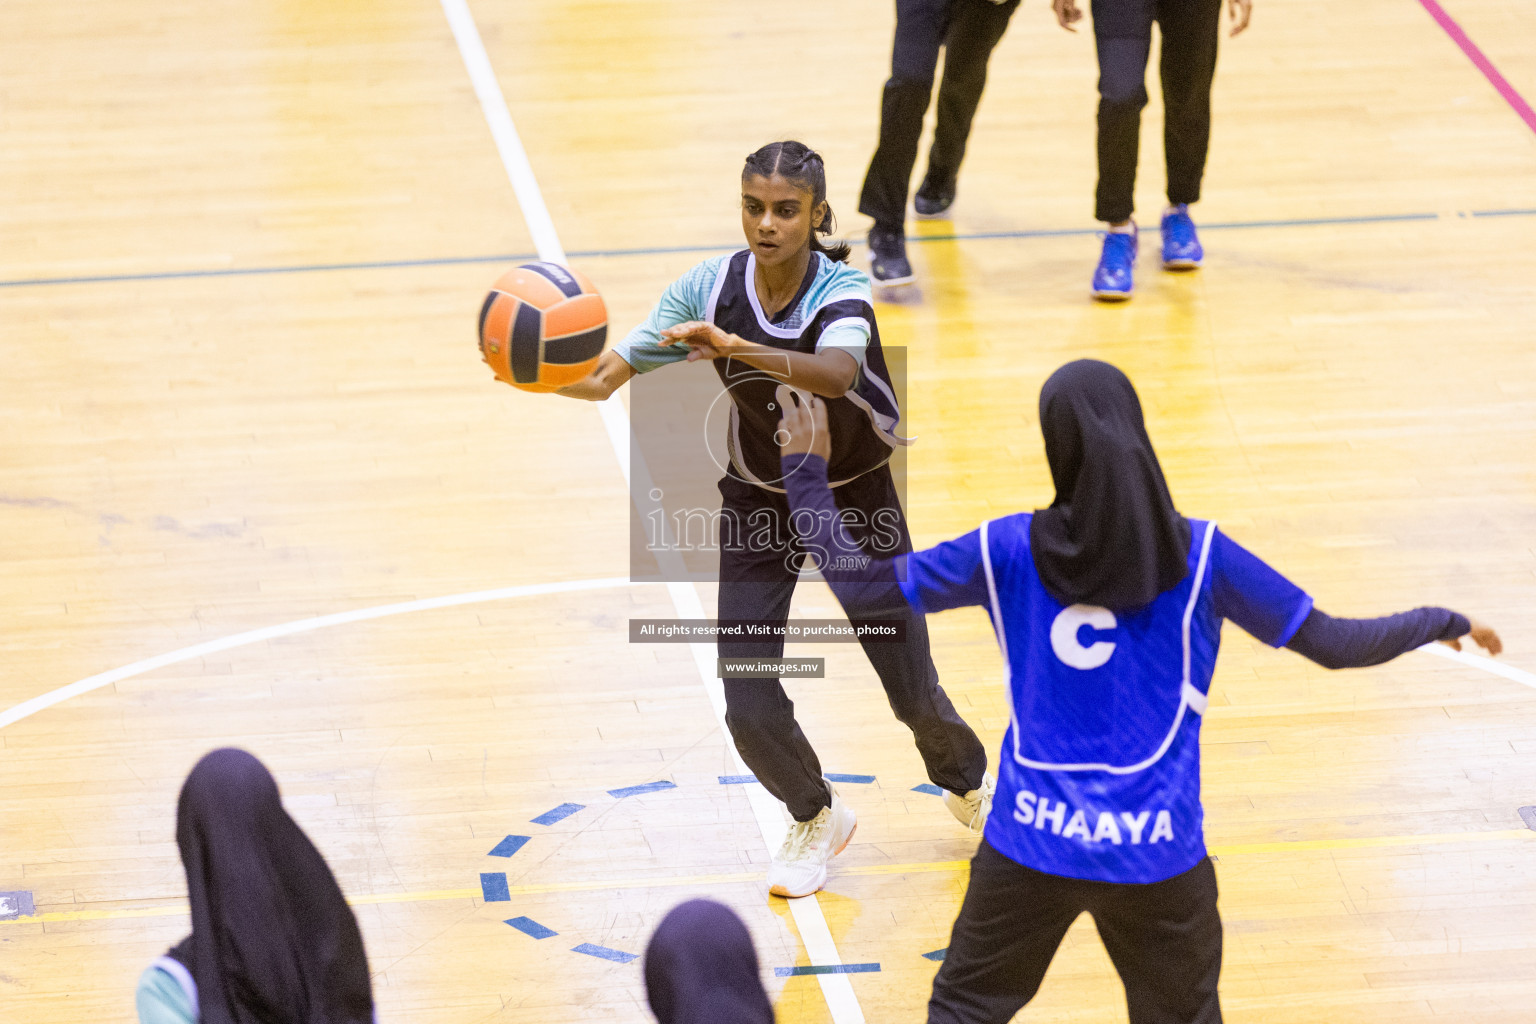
x=1368, y=842
x=179, y=908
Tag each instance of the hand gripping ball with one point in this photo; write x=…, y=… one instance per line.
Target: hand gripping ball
x=542, y=327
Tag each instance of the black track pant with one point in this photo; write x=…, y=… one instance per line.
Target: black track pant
x=757, y=585
x=968, y=30
x=1164, y=939
x=1122, y=30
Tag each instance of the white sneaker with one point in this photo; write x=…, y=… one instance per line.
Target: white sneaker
x=972, y=809
x=800, y=866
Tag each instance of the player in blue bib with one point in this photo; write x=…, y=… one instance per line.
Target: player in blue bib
x=1108, y=608
x=788, y=310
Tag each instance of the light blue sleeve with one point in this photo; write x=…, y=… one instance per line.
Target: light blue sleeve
x=850, y=335
x=842, y=281
x=685, y=299
x=160, y=999
x=844, y=294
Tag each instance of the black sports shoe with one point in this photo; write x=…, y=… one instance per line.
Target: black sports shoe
x=888, y=257
x=933, y=197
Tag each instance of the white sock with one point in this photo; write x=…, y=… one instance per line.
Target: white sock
x=1180, y=208
x=1128, y=228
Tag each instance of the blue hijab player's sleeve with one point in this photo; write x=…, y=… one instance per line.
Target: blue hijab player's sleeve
x=1281, y=614
x=948, y=575
x=1253, y=595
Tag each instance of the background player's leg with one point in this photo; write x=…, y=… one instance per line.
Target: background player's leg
x=758, y=586
x=975, y=27
x=914, y=56
x=1165, y=940
x=1010, y=924
x=1187, y=67
x=954, y=756
x=1122, y=32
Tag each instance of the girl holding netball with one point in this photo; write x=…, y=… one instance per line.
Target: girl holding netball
x=1108, y=608
x=787, y=310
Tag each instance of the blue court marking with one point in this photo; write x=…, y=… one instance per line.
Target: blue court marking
x=618, y=956
x=16, y=904
x=315, y=268
x=795, y=972
x=1527, y=815
x=862, y=780
x=528, y=926
x=737, y=780
x=493, y=886
x=301, y=268
x=508, y=846
x=1306, y=222
x=937, y=954
x=1310, y=222
x=558, y=814
x=311, y=268
x=648, y=787
x=928, y=788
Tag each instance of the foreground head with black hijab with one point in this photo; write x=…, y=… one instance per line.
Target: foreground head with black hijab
x=1112, y=537
x=701, y=968
x=272, y=938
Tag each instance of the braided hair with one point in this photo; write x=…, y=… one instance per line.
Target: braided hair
x=802, y=167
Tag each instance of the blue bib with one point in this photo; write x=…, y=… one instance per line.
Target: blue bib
x=1100, y=771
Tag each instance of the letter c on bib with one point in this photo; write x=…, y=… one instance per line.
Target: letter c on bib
x=1069, y=648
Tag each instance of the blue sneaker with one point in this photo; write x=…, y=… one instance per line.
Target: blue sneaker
x=1112, y=280
x=1181, y=246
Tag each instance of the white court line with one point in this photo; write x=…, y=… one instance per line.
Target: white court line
x=1498, y=668
x=31, y=707
x=814, y=933
x=513, y=156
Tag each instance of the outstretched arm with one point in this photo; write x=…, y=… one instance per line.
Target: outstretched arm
x=1276, y=611
x=830, y=372
x=642, y=349
x=948, y=575
x=866, y=587
x=610, y=374
x=1356, y=643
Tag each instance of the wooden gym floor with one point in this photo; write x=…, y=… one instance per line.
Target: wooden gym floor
x=241, y=253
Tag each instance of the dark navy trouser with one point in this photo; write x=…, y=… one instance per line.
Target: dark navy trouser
x=967, y=30
x=1164, y=939
x=756, y=585
x=1122, y=31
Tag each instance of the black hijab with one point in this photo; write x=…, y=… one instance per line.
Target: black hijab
x=273, y=941
x=1112, y=537
x=701, y=968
